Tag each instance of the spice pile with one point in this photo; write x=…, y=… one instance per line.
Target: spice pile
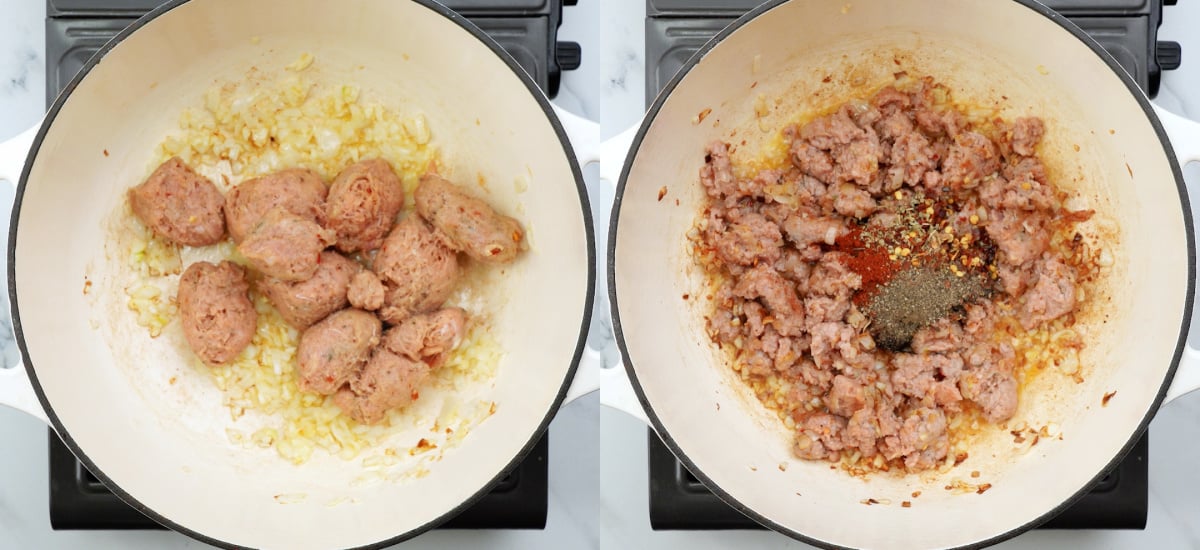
x=915, y=268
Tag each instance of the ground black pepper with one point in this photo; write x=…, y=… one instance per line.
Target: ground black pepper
x=915, y=298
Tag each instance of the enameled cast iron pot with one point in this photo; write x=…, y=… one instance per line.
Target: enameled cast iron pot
x=788, y=58
x=164, y=451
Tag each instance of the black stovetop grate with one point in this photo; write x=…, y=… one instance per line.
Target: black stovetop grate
x=1127, y=29
x=679, y=501
x=527, y=29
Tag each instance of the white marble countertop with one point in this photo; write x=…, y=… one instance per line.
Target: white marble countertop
x=572, y=521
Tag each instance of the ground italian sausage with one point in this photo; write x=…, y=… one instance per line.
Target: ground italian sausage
x=302, y=303
x=216, y=313
x=180, y=205
x=332, y=351
x=417, y=269
x=363, y=203
x=469, y=224
x=386, y=382
x=427, y=337
x=285, y=246
x=297, y=190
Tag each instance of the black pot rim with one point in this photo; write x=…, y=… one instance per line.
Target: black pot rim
x=543, y=424
x=724, y=495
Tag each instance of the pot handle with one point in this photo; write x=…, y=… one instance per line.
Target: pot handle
x=1185, y=140
x=16, y=390
x=584, y=136
x=616, y=390
x=13, y=153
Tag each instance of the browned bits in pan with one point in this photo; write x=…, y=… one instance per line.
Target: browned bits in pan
x=906, y=504
x=1108, y=396
x=983, y=488
x=662, y=192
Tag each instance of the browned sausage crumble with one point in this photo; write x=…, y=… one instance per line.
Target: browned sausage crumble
x=869, y=289
x=284, y=225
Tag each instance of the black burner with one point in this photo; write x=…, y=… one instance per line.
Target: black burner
x=527, y=29
x=1128, y=29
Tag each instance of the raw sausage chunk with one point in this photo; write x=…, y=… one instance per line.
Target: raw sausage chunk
x=418, y=271
x=427, y=337
x=387, y=381
x=469, y=224
x=286, y=246
x=180, y=205
x=297, y=190
x=302, y=303
x=331, y=352
x=363, y=203
x=366, y=291
x=217, y=316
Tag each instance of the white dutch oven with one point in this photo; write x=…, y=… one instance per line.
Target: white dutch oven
x=163, y=452
x=799, y=56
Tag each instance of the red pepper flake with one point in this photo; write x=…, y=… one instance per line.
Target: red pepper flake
x=425, y=444
x=827, y=79
x=415, y=395
x=1107, y=397
x=983, y=488
x=959, y=458
x=906, y=504
x=662, y=192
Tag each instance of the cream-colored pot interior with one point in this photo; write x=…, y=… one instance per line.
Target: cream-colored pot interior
x=166, y=447
x=807, y=55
